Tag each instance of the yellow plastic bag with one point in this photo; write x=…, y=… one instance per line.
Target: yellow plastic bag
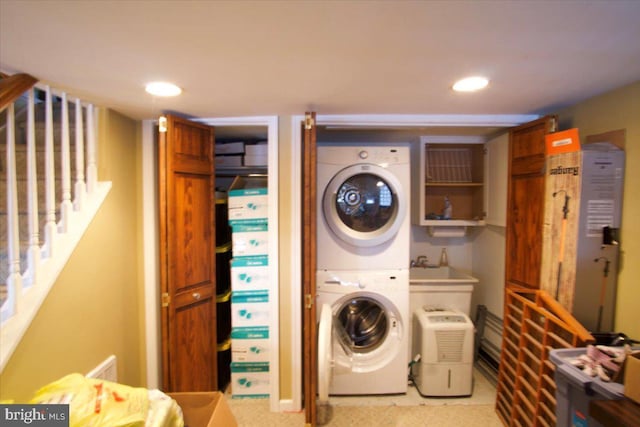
x=96, y=402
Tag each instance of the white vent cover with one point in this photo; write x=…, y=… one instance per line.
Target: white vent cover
x=450, y=345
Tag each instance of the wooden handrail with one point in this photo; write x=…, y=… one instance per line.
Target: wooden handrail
x=12, y=87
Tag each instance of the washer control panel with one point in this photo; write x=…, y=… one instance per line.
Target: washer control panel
x=380, y=156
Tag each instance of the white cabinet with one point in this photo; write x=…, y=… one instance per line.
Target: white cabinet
x=452, y=171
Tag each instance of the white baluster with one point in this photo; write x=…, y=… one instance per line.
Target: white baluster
x=66, y=207
x=32, y=194
x=80, y=186
x=14, y=279
x=50, y=229
x=92, y=170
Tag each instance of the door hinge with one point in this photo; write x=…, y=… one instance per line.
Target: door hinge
x=308, y=122
x=308, y=301
x=166, y=299
x=162, y=124
x=553, y=125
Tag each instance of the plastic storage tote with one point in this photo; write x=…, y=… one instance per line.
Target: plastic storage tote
x=575, y=389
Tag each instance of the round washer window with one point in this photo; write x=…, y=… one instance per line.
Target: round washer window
x=363, y=324
x=364, y=203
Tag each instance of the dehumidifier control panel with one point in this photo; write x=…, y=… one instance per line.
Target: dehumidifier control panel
x=444, y=318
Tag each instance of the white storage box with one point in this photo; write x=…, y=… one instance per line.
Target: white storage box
x=231, y=161
x=259, y=149
x=444, y=340
x=249, y=308
x=230, y=147
x=249, y=379
x=250, y=344
x=248, y=200
x=250, y=273
x=256, y=160
x=249, y=239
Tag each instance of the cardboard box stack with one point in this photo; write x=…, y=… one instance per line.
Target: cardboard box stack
x=229, y=154
x=248, y=208
x=239, y=153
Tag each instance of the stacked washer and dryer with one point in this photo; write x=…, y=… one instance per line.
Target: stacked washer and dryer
x=363, y=237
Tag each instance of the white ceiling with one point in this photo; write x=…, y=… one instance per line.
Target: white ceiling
x=242, y=58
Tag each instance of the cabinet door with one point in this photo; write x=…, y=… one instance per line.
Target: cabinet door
x=496, y=179
x=525, y=202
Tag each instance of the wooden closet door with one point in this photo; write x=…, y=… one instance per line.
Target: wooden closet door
x=525, y=202
x=187, y=256
x=309, y=216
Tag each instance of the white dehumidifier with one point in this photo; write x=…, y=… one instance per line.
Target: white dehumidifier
x=444, y=340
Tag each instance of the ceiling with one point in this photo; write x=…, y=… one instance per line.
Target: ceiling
x=248, y=58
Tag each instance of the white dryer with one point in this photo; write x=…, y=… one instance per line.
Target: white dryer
x=362, y=332
x=363, y=203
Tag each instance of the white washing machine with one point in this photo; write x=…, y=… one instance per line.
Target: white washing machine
x=363, y=203
x=362, y=332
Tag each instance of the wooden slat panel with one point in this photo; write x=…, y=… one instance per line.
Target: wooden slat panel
x=526, y=388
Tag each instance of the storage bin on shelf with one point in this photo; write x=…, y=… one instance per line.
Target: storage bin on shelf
x=224, y=362
x=223, y=308
x=223, y=268
x=223, y=229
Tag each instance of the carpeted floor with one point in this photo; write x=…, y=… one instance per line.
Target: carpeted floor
x=256, y=414
x=409, y=410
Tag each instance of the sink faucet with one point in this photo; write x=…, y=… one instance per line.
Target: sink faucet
x=421, y=261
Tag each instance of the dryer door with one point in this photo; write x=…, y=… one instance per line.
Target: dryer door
x=364, y=205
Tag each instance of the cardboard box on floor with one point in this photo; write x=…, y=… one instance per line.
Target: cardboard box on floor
x=632, y=377
x=204, y=409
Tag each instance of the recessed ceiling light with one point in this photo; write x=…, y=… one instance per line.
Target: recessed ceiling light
x=470, y=84
x=163, y=89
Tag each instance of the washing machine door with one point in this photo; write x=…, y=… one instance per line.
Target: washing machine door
x=364, y=205
x=325, y=352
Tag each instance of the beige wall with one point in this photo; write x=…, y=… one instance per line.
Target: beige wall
x=287, y=359
x=619, y=109
x=94, y=308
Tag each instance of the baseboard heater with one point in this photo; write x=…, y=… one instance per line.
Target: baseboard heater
x=487, y=343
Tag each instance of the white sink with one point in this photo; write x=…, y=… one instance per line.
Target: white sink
x=444, y=275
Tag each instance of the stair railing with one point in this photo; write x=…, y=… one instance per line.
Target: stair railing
x=30, y=275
